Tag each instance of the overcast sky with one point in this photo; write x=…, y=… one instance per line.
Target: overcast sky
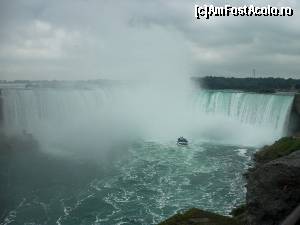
x=138, y=39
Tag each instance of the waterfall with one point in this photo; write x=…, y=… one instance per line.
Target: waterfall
x=26, y=109
x=259, y=110
x=243, y=118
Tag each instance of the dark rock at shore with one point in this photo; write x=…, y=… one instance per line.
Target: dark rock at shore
x=200, y=217
x=273, y=190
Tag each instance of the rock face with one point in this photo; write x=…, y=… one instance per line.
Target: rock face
x=1, y=108
x=273, y=190
x=297, y=103
x=294, y=121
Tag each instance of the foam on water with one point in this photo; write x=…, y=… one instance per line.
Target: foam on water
x=242, y=152
x=154, y=181
x=149, y=183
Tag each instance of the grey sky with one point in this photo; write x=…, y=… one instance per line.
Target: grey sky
x=139, y=39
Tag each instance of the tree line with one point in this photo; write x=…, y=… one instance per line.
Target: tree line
x=268, y=84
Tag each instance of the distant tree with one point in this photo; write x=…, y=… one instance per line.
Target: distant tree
x=268, y=84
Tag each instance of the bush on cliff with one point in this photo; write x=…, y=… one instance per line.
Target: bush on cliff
x=280, y=148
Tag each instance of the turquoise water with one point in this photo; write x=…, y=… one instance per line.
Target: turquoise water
x=145, y=184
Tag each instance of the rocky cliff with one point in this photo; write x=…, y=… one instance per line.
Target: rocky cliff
x=294, y=122
x=273, y=190
x=297, y=103
x=1, y=108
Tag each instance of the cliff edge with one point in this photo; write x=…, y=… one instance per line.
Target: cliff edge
x=294, y=120
x=297, y=103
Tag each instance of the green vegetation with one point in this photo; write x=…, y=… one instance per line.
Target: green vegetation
x=240, y=213
x=280, y=148
x=199, y=217
x=261, y=85
x=238, y=210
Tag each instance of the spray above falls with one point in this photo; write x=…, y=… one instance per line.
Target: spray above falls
x=64, y=115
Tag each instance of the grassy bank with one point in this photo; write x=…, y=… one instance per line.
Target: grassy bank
x=280, y=148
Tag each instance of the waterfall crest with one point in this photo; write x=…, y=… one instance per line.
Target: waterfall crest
x=238, y=117
x=250, y=108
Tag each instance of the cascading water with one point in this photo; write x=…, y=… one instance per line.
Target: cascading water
x=255, y=119
x=151, y=178
x=28, y=109
x=205, y=114
x=250, y=108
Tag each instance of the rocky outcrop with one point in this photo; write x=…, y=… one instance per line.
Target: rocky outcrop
x=294, y=120
x=297, y=104
x=273, y=190
x=200, y=217
x=1, y=109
